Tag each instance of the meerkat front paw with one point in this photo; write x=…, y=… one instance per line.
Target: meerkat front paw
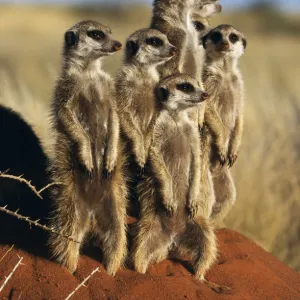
x=232, y=159
x=170, y=209
x=111, y=161
x=86, y=158
x=140, y=156
x=222, y=156
x=193, y=208
x=169, y=205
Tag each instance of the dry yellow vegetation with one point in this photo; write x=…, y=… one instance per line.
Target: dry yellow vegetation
x=268, y=169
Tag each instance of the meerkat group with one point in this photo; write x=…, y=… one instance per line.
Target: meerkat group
x=166, y=130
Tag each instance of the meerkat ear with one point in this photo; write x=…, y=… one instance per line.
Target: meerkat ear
x=204, y=40
x=162, y=94
x=71, y=38
x=244, y=43
x=132, y=48
x=210, y=10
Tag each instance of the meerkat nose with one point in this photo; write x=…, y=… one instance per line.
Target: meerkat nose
x=173, y=51
x=204, y=96
x=219, y=8
x=117, y=46
x=224, y=45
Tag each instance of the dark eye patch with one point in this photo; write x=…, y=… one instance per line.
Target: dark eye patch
x=233, y=38
x=96, y=35
x=155, y=42
x=216, y=37
x=198, y=25
x=185, y=87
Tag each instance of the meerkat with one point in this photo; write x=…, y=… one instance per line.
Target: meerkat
x=174, y=18
x=223, y=117
x=146, y=49
x=169, y=190
x=87, y=149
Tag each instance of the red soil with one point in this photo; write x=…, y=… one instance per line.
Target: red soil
x=251, y=272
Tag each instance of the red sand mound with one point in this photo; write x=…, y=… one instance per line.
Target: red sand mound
x=251, y=272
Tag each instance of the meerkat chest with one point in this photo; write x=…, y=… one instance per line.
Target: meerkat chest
x=144, y=105
x=93, y=111
x=228, y=98
x=176, y=150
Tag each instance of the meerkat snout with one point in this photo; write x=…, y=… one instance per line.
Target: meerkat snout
x=117, y=46
x=173, y=51
x=204, y=96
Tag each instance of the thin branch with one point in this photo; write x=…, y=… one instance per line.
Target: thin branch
x=22, y=180
x=82, y=283
x=11, y=274
x=6, y=252
x=48, y=186
x=35, y=223
x=28, y=183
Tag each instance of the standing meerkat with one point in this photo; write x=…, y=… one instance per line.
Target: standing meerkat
x=87, y=147
x=146, y=49
x=169, y=191
x=174, y=19
x=224, y=45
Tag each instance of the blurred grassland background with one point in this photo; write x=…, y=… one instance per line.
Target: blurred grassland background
x=268, y=169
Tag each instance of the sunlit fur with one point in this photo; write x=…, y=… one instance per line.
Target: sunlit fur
x=173, y=18
x=169, y=190
x=135, y=84
x=87, y=147
x=224, y=112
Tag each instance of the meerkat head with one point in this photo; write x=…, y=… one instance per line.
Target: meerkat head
x=180, y=92
x=224, y=41
x=149, y=46
x=90, y=40
x=200, y=16
x=207, y=8
x=200, y=24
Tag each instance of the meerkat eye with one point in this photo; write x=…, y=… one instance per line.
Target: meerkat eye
x=96, y=35
x=216, y=37
x=233, y=38
x=155, y=42
x=185, y=87
x=198, y=26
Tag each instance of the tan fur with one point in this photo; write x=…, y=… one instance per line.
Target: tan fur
x=224, y=111
x=169, y=191
x=135, y=84
x=174, y=18
x=87, y=146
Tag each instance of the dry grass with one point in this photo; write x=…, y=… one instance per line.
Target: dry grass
x=268, y=206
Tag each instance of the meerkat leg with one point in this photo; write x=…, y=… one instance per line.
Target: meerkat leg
x=207, y=194
x=199, y=242
x=112, y=142
x=70, y=220
x=225, y=195
x=194, y=200
x=111, y=227
x=150, y=244
x=236, y=139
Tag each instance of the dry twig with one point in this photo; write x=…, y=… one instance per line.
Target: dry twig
x=6, y=252
x=82, y=283
x=22, y=180
x=11, y=274
x=28, y=183
x=35, y=223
